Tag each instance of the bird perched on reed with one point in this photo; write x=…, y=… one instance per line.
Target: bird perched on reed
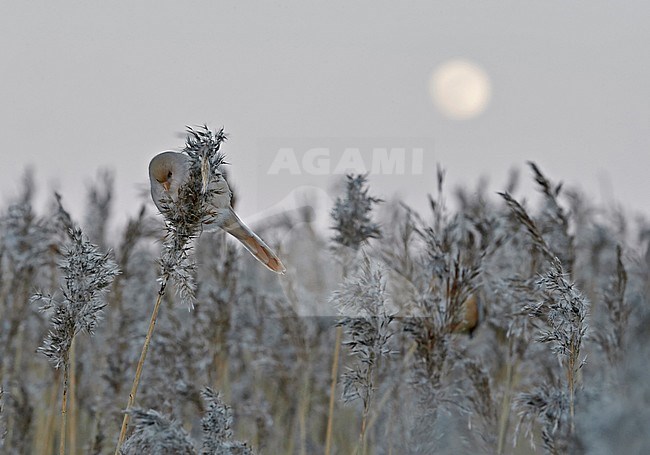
x=170, y=171
x=471, y=316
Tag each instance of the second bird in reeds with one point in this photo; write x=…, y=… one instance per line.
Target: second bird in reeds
x=471, y=312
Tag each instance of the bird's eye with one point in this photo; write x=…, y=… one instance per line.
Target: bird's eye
x=169, y=175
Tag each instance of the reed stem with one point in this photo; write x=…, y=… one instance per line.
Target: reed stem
x=334, y=377
x=64, y=405
x=138, y=370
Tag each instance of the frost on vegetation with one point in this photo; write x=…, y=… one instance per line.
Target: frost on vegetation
x=87, y=273
x=27, y=240
x=351, y=214
x=559, y=352
x=217, y=433
x=186, y=215
x=155, y=433
x=367, y=325
x=563, y=313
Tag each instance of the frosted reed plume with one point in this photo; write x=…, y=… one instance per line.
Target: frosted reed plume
x=555, y=219
x=157, y=434
x=100, y=198
x=184, y=218
x=353, y=226
x=87, y=274
x=561, y=319
x=612, y=336
x=351, y=214
x=366, y=322
x=216, y=423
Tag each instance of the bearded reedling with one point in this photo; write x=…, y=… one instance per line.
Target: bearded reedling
x=169, y=171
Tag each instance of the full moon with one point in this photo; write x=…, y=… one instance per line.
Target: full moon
x=460, y=89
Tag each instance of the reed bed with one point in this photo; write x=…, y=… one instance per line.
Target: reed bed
x=489, y=324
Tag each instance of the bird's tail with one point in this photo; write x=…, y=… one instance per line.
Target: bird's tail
x=255, y=245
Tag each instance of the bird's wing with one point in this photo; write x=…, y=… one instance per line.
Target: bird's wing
x=255, y=245
x=221, y=194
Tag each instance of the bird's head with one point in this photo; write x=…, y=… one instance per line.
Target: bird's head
x=169, y=170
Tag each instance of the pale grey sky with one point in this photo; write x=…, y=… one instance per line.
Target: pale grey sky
x=85, y=85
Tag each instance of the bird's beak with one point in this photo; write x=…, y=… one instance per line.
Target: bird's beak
x=166, y=184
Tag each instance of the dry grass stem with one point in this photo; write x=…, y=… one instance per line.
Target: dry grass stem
x=140, y=365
